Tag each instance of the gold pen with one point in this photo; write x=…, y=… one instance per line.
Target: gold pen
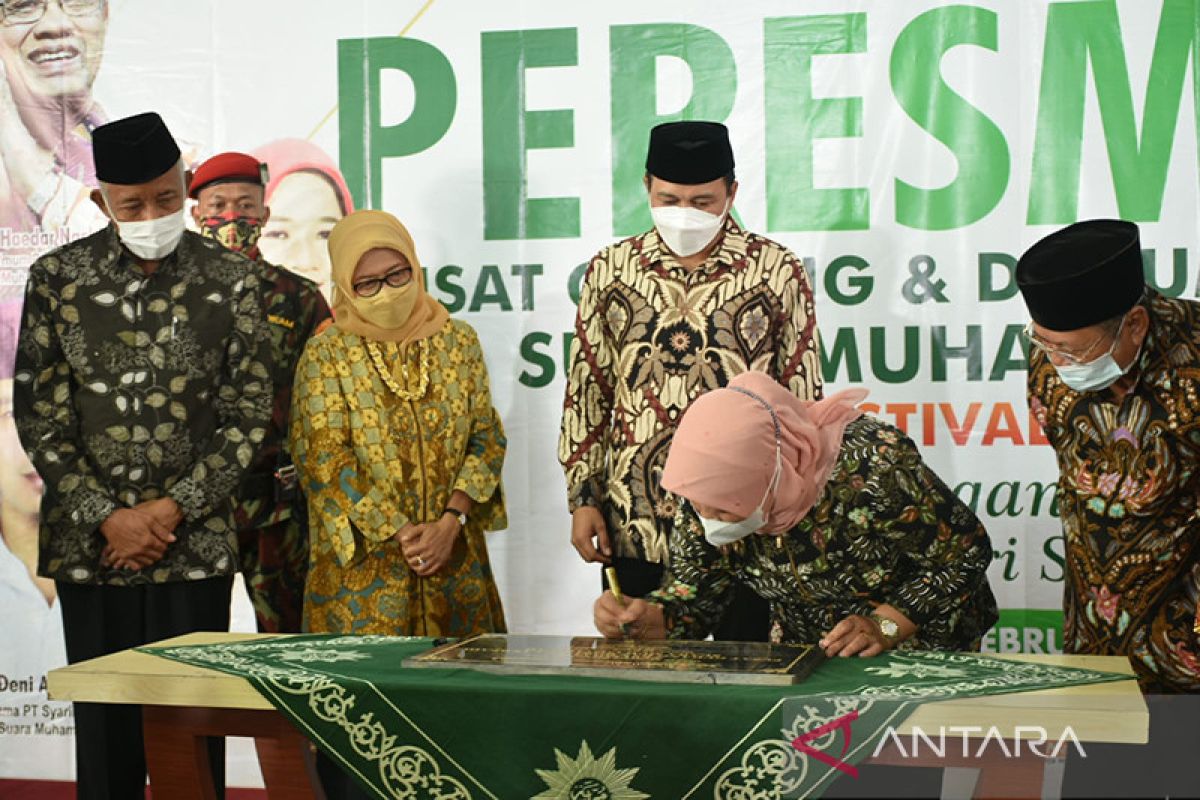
x=614, y=586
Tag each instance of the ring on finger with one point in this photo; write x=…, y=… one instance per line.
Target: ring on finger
x=420, y=561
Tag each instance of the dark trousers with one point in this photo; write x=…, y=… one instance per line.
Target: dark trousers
x=748, y=619
x=98, y=620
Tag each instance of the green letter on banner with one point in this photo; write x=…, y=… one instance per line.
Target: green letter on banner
x=363, y=142
x=1079, y=33
x=634, y=51
x=794, y=120
x=510, y=131
x=977, y=144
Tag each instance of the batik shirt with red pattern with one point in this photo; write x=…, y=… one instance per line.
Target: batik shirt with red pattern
x=1129, y=499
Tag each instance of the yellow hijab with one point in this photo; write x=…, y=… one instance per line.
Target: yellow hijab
x=350, y=239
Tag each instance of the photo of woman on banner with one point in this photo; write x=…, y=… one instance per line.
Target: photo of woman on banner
x=398, y=449
x=307, y=195
x=50, y=52
x=829, y=515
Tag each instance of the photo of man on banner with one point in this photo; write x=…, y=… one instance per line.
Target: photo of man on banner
x=50, y=52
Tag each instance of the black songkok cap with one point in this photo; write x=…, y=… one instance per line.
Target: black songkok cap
x=689, y=152
x=133, y=150
x=1082, y=275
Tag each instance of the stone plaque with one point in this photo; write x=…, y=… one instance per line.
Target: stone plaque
x=671, y=660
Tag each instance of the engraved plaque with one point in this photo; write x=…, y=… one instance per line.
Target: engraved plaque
x=675, y=661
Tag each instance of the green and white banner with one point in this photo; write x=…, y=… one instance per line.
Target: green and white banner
x=909, y=152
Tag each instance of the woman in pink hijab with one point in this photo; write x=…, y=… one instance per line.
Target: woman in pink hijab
x=829, y=515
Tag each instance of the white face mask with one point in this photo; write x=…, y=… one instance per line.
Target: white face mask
x=152, y=239
x=1096, y=375
x=720, y=533
x=686, y=231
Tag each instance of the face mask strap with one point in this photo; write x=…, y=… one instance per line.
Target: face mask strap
x=778, y=437
x=1116, y=337
x=1112, y=348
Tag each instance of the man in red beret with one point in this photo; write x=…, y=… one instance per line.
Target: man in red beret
x=270, y=514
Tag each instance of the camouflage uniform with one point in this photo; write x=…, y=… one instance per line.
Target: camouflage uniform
x=271, y=520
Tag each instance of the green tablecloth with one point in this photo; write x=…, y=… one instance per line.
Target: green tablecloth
x=433, y=733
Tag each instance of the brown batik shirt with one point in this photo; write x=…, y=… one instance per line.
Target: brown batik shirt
x=650, y=337
x=1129, y=499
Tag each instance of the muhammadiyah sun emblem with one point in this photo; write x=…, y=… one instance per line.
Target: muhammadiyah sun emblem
x=588, y=778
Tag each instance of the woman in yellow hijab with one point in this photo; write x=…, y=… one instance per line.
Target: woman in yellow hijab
x=398, y=448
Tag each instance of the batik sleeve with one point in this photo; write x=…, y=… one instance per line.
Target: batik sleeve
x=699, y=584
x=942, y=543
x=798, y=362
x=341, y=498
x=479, y=476
x=46, y=420
x=243, y=404
x=587, y=407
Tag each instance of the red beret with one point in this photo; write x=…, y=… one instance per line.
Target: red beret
x=228, y=168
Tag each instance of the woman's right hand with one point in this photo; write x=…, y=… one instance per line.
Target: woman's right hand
x=636, y=619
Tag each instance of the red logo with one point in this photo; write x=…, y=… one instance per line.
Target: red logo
x=801, y=743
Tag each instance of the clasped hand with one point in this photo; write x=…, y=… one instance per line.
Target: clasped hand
x=427, y=547
x=138, y=537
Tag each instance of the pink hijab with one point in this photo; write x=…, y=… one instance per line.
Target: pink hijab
x=723, y=453
x=284, y=157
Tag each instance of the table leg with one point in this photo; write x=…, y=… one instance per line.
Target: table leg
x=289, y=767
x=1015, y=777
x=178, y=761
x=177, y=754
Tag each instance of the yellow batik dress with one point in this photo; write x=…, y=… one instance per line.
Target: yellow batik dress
x=372, y=461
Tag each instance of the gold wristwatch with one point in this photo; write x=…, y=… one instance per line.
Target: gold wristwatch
x=888, y=627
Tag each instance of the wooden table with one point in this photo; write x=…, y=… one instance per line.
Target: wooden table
x=183, y=704
x=1109, y=713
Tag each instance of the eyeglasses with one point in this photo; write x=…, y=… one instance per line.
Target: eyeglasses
x=1069, y=356
x=371, y=286
x=26, y=12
